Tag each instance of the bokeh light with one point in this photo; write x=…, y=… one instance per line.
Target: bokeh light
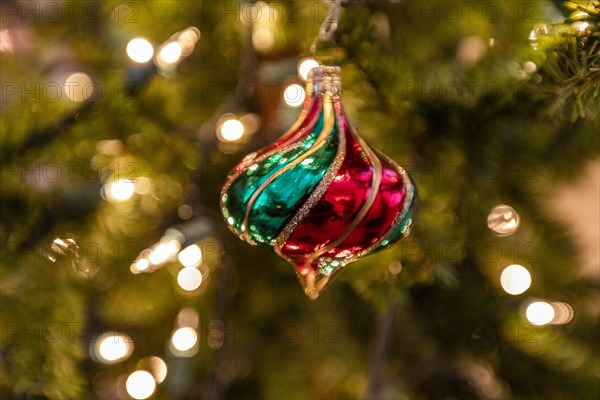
x=158, y=368
x=79, y=87
x=120, y=190
x=184, y=339
x=503, y=220
x=540, y=313
x=140, y=50
x=263, y=39
x=251, y=122
x=191, y=256
x=563, y=313
x=304, y=67
x=582, y=26
x=139, y=265
x=170, y=54
x=530, y=67
x=515, y=279
x=163, y=251
x=112, y=347
x=188, y=39
x=189, y=278
x=231, y=130
x=294, y=95
x=143, y=185
x=185, y=211
x=6, y=44
x=140, y=385
x=188, y=317
x=469, y=51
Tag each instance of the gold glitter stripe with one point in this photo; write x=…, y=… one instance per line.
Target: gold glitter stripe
x=316, y=194
x=320, y=142
x=376, y=181
x=248, y=160
x=233, y=228
x=315, y=87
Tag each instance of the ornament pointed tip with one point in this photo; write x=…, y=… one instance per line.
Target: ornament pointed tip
x=311, y=294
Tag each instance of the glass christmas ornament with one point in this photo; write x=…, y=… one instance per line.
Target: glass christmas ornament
x=320, y=196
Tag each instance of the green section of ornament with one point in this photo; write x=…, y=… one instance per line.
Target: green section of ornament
x=235, y=200
x=281, y=198
x=402, y=228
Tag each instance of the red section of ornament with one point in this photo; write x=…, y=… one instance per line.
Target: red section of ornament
x=342, y=201
x=380, y=217
x=338, y=207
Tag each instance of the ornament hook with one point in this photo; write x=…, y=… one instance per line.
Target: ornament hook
x=328, y=27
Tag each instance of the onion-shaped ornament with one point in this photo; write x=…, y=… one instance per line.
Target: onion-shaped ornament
x=320, y=196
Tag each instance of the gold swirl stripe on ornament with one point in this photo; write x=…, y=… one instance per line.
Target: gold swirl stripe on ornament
x=312, y=200
x=313, y=286
x=409, y=193
x=233, y=228
x=319, y=142
x=252, y=159
x=375, y=182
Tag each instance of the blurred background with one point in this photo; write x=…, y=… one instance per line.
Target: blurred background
x=119, y=278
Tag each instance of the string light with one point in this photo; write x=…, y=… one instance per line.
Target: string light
x=582, y=26
x=503, y=220
x=185, y=211
x=170, y=53
x=60, y=247
x=191, y=256
x=549, y=313
x=112, y=347
x=169, y=245
x=189, y=278
x=563, y=313
x=215, y=337
x=178, y=46
x=142, y=185
x=79, y=87
x=188, y=317
x=294, y=95
x=263, y=39
x=231, y=129
x=530, y=67
x=251, y=122
x=158, y=368
x=164, y=251
x=6, y=44
x=140, y=265
x=304, y=67
x=537, y=32
x=140, y=50
x=140, y=385
x=515, y=279
x=119, y=190
x=540, y=313
x=183, y=342
x=188, y=39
